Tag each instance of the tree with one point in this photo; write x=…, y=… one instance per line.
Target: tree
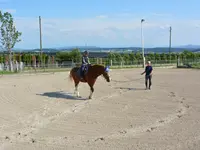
x=75, y=55
x=9, y=35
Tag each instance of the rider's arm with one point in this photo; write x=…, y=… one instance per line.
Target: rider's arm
x=88, y=60
x=151, y=71
x=144, y=71
x=83, y=60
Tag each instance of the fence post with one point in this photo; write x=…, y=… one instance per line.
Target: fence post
x=177, y=63
x=111, y=62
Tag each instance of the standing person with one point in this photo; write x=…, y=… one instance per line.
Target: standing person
x=85, y=63
x=148, y=75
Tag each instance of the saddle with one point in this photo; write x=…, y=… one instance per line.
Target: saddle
x=83, y=70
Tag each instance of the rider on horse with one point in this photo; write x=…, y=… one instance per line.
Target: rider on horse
x=85, y=63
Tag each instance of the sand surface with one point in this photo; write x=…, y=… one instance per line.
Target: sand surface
x=39, y=112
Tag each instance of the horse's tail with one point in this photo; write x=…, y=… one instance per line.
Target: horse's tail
x=70, y=75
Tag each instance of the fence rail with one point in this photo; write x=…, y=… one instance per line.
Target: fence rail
x=67, y=65
x=188, y=63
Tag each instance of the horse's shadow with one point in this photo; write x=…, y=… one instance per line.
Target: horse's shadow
x=61, y=94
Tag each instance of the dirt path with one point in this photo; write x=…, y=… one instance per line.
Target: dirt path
x=40, y=112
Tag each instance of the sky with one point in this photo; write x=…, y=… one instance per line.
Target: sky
x=105, y=23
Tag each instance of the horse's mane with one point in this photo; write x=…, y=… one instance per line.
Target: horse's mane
x=99, y=65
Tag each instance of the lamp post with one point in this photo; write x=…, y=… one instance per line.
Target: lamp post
x=40, y=27
x=142, y=42
x=170, y=42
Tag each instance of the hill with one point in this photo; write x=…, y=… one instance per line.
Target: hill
x=192, y=48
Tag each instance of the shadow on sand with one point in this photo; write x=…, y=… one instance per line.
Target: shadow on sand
x=61, y=94
x=127, y=88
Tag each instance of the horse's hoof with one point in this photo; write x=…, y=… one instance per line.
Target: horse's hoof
x=90, y=97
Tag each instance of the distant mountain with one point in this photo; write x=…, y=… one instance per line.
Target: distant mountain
x=196, y=51
x=190, y=46
x=193, y=48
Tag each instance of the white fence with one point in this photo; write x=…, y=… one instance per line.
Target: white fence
x=16, y=66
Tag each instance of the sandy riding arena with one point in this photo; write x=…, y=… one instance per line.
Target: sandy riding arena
x=39, y=112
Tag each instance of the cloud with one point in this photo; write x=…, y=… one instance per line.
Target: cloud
x=164, y=27
x=161, y=14
x=125, y=14
x=105, y=30
x=102, y=16
x=197, y=25
x=12, y=11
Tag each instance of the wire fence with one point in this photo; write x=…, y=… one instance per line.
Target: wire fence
x=188, y=63
x=67, y=65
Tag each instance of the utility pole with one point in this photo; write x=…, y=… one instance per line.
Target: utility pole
x=40, y=27
x=142, y=42
x=170, y=42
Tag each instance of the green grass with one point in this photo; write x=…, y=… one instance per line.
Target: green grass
x=196, y=66
x=7, y=72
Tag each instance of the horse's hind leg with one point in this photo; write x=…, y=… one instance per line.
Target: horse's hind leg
x=76, y=89
x=91, y=92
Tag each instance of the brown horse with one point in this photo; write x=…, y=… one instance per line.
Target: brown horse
x=94, y=71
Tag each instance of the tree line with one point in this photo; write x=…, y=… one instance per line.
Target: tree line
x=75, y=56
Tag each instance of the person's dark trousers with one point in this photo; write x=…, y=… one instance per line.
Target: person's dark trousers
x=148, y=78
x=82, y=72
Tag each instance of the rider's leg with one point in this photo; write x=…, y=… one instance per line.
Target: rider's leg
x=146, y=81
x=82, y=71
x=150, y=83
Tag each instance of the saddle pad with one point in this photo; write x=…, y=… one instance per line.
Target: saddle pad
x=78, y=73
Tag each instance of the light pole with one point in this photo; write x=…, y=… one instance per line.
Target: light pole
x=142, y=42
x=170, y=42
x=40, y=27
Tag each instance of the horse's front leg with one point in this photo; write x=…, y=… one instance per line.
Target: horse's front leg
x=91, y=84
x=91, y=92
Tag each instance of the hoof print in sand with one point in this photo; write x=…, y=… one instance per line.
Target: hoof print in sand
x=18, y=133
x=151, y=129
x=179, y=116
x=148, y=130
x=33, y=141
x=100, y=139
x=123, y=132
x=7, y=138
x=172, y=94
x=161, y=121
x=187, y=106
x=179, y=111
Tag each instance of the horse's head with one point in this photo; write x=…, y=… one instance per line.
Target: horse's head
x=97, y=70
x=105, y=73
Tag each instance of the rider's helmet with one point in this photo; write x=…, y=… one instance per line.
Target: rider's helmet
x=86, y=53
